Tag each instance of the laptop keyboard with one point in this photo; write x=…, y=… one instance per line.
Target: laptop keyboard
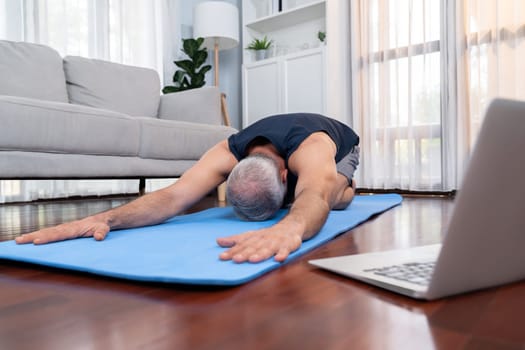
x=417, y=273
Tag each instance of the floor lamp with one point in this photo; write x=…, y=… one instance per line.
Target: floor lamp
x=218, y=23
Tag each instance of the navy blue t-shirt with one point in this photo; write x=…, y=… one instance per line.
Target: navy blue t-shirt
x=286, y=132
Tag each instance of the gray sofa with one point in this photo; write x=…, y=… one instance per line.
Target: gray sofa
x=73, y=117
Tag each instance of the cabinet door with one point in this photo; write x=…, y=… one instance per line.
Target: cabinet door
x=262, y=90
x=304, y=82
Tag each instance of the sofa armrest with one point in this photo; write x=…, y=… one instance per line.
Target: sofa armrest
x=201, y=105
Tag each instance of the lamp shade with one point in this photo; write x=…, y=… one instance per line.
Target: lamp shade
x=216, y=22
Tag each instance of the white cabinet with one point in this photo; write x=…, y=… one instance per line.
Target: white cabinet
x=284, y=84
x=261, y=90
x=304, y=81
x=293, y=79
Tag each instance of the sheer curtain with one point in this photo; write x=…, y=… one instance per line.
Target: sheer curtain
x=488, y=50
x=423, y=72
x=135, y=32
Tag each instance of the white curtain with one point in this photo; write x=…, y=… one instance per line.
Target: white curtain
x=136, y=32
x=488, y=48
x=423, y=72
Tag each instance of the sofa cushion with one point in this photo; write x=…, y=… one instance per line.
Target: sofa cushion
x=168, y=139
x=21, y=164
x=31, y=70
x=44, y=126
x=117, y=87
x=201, y=105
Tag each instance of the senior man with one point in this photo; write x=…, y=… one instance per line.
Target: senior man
x=301, y=160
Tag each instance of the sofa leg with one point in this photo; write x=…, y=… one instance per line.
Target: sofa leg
x=142, y=186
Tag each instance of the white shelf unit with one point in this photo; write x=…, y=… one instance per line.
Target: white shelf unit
x=290, y=17
x=292, y=79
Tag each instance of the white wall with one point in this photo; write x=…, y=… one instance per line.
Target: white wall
x=230, y=62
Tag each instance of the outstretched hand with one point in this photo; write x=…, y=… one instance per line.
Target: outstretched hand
x=259, y=245
x=88, y=227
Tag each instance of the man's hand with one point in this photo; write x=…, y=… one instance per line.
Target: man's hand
x=88, y=227
x=256, y=246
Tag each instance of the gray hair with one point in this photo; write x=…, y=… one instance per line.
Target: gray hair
x=254, y=188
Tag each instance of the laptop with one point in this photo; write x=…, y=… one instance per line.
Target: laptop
x=484, y=245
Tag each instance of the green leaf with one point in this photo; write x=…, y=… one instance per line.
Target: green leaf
x=187, y=65
x=197, y=83
x=199, y=42
x=178, y=76
x=200, y=57
x=169, y=89
x=191, y=75
x=204, y=70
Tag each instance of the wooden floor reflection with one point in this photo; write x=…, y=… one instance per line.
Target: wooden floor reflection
x=294, y=307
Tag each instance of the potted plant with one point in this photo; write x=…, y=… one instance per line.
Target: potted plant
x=260, y=46
x=191, y=75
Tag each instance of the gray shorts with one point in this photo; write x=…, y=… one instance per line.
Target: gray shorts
x=348, y=164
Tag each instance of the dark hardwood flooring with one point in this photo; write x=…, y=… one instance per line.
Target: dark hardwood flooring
x=19, y=218
x=294, y=307
x=25, y=217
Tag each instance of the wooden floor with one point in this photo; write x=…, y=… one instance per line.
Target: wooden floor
x=25, y=217
x=294, y=307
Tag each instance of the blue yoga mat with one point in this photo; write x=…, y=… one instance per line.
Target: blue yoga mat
x=184, y=249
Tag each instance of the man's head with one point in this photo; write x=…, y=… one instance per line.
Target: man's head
x=255, y=188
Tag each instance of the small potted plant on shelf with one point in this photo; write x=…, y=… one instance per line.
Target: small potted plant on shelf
x=261, y=47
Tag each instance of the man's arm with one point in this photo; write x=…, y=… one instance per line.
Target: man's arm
x=318, y=190
x=153, y=208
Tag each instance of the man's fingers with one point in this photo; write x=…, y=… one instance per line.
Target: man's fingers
x=25, y=238
x=239, y=252
x=225, y=242
x=230, y=241
x=282, y=254
x=284, y=251
x=261, y=255
x=244, y=254
x=38, y=237
x=62, y=232
x=241, y=247
x=257, y=246
x=49, y=235
x=100, y=234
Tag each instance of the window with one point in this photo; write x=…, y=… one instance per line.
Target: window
x=124, y=31
x=422, y=81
